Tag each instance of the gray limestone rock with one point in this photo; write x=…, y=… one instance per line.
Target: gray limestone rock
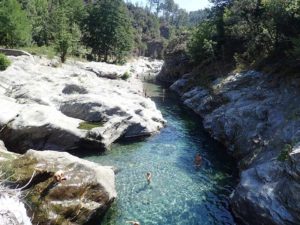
x=258, y=119
x=83, y=196
x=69, y=107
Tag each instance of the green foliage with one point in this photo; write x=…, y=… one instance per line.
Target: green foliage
x=4, y=62
x=125, y=76
x=201, y=46
x=249, y=32
x=39, y=16
x=66, y=33
x=89, y=125
x=264, y=27
x=295, y=51
x=43, y=16
x=15, y=28
x=108, y=31
x=47, y=51
x=146, y=28
x=284, y=154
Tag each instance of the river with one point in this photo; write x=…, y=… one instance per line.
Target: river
x=179, y=193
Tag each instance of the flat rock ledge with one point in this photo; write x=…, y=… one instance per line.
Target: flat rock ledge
x=257, y=117
x=82, y=198
x=78, y=105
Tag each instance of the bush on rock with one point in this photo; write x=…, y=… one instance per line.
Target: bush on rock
x=4, y=62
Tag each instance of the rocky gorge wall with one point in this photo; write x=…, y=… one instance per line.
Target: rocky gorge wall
x=257, y=117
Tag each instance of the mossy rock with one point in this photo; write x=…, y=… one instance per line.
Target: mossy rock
x=89, y=125
x=77, y=200
x=284, y=154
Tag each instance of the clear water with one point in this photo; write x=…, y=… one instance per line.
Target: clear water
x=179, y=194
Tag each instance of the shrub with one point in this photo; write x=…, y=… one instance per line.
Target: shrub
x=125, y=76
x=201, y=47
x=284, y=154
x=4, y=62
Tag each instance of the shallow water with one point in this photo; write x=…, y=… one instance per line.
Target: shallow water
x=179, y=193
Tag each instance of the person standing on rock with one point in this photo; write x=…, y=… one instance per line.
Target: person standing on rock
x=148, y=177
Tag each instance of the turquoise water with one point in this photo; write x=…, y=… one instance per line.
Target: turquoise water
x=179, y=193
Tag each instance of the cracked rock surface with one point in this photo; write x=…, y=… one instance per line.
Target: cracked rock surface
x=78, y=105
x=257, y=116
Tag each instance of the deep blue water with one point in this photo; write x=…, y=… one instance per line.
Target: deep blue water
x=179, y=194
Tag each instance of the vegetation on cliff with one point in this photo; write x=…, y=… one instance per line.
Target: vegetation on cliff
x=4, y=62
x=250, y=33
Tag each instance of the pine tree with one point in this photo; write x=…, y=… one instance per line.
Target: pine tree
x=108, y=30
x=66, y=33
x=39, y=17
x=15, y=27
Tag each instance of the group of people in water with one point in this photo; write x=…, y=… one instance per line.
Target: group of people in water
x=197, y=163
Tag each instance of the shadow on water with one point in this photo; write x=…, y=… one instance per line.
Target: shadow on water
x=179, y=194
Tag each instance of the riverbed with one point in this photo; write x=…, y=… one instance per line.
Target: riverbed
x=179, y=193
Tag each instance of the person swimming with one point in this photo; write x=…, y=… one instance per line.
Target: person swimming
x=198, y=160
x=149, y=177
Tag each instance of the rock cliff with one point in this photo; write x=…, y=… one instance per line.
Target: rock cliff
x=257, y=117
x=176, y=60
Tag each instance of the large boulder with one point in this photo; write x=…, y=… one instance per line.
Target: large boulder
x=74, y=106
x=82, y=198
x=258, y=118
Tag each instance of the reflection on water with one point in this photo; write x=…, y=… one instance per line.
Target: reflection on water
x=179, y=194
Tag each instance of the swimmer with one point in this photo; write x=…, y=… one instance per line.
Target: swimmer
x=59, y=176
x=198, y=160
x=133, y=222
x=149, y=177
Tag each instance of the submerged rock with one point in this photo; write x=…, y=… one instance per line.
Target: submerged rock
x=82, y=198
x=74, y=106
x=258, y=118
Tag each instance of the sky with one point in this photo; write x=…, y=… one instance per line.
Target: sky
x=189, y=5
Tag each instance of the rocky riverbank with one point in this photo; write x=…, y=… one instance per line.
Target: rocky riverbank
x=257, y=116
x=75, y=106
x=82, y=197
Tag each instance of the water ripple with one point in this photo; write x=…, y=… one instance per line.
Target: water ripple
x=179, y=194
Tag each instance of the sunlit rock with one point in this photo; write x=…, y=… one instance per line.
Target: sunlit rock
x=78, y=105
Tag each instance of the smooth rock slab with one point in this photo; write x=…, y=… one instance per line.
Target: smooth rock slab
x=46, y=107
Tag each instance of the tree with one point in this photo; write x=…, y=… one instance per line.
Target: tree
x=66, y=33
x=108, y=30
x=39, y=17
x=219, y=10
x=201, y=46
x=15, y=27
